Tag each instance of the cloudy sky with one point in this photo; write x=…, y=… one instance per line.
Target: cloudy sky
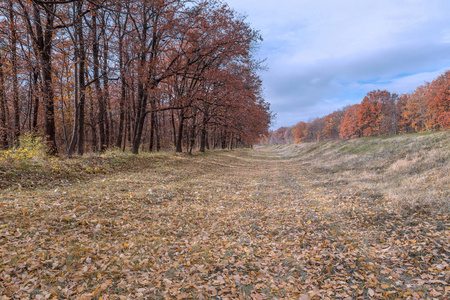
x=325, y=54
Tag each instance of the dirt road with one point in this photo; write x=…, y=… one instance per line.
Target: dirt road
x=226, y=225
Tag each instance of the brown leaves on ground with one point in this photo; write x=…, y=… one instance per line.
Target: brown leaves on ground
x=228, y=225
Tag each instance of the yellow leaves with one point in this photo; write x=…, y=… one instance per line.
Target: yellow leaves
x=219, y=281
x=183, y=296
x=102, y=288
x=315, y=294
x=435, y=293
x=86, y=296
x=30, y=147
x=447, y=291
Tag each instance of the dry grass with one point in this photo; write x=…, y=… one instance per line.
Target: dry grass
x=409, y=170
x=317, y=221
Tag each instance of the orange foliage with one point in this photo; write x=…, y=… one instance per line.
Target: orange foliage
x=350, y=126
x=332, y=127
x=414, y=109
x=377, y=114
x=299, y=131
x=438, y=95
x=314, y=130
x=403, y=123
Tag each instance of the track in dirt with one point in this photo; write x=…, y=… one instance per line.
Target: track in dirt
x=228, y=225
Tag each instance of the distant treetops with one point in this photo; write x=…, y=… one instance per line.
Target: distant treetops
x=379, y=114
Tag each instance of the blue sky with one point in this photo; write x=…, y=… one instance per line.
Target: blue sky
x=325, y=54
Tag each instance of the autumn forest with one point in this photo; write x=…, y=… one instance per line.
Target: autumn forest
x=92, y=75
x=379, y=114
x=137, y=161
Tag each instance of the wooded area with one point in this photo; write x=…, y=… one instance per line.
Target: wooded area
x=379, y=114
x=148, y=74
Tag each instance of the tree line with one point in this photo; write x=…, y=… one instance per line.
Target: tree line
x=88, y=75
x=379, y=114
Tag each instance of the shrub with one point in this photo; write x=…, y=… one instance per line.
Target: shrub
x=29, y=150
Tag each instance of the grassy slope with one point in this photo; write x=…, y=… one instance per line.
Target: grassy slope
x=313, y=221
x=411, y=171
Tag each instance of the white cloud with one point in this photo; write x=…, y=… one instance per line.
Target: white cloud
x=338, y=50
x=406, y=84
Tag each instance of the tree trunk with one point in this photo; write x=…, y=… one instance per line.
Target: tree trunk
x=203, y=133
x=207, y=140
x=122, y=94
x=63, y=117
x=93, y=125
x=154, y=134
x=203, y=139
x=129, y=129
x=13, y=49
x=152, y=131
x=98, y=89
x=44, y=48
x=73, y=140
x=106, y=92
x=158, y=133
x=179, y=147
x=81, y=78
x=187, y=136
x=35, y=93
x=139, y=118
x=174, y=130
x=3, y=108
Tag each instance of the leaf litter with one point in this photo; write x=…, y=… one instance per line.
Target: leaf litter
x=227, y=225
